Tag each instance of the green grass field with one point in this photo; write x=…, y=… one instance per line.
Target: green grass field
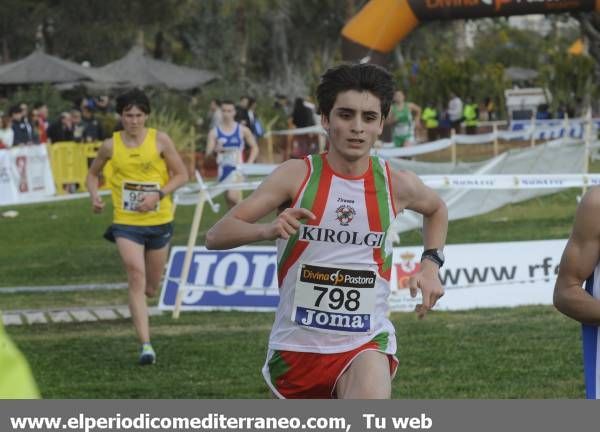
x=525, y=352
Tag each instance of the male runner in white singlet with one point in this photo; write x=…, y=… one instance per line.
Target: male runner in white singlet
x=228, y=139
x=581, y=263
x=331, y=336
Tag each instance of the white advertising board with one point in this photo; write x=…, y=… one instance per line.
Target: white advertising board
x=25, y=174
x=480, y=275
x=484, y=275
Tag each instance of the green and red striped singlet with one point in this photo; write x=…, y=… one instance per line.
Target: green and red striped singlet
x=334, y=272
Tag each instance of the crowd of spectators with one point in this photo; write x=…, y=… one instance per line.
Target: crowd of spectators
x=91, y=119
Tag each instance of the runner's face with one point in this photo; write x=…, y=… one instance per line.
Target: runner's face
x=399, y=97
x=228, y=112
x=354, y=124
x=133, y=120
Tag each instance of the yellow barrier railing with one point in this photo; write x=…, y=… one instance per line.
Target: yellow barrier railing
x=70, y=162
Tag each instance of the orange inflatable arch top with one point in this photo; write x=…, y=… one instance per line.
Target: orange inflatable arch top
x=381, y=24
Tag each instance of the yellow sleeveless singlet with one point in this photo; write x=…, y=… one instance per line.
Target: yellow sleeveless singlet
x=138, y=171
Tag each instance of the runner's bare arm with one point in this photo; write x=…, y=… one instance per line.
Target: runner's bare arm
x=239, y=227
x=390, y=119
x=251, y=141
x=412, y=194
x=211, y=143
x=178, y=174
x=580, y=257
x=416, y=112
x=93, y=176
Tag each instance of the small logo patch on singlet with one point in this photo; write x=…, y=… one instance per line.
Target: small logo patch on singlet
x=344, y=214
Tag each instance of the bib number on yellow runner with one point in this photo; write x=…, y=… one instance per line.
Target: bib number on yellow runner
x=133, y=193
x=334, y=299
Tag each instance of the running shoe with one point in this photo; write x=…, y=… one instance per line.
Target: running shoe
x=147, y=355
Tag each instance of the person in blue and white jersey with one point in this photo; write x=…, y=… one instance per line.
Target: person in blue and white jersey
x=581, y=263
x=227, y=140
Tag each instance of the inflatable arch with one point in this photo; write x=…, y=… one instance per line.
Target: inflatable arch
x=381, y=24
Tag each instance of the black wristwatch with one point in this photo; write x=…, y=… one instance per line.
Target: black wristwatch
x=161, y=194
x=435, y=255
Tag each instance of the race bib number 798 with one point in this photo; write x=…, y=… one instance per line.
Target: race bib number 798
x=334, y=299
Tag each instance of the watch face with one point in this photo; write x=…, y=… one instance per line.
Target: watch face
x=436, y=255
x=441, y=254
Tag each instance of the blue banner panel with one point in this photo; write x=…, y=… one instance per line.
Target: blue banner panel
x=238, y=279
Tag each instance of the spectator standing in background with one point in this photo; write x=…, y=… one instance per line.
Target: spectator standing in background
x=304, y=144
x=255, y=124
x=444, y=122
x=106, y=115
x=103, y=105
x=430, y=119
x=77, y=125
x=33, y=120
x=241, y=112
x=21, y=131
x=42, y=110
x=310, y=105
x=25, y=120
x=7, y=134
x=455, y=112
x=61, y=129
x=471, y=116
x=302, y=115
x=284, y=112
x=92, y=128
x=490, y=109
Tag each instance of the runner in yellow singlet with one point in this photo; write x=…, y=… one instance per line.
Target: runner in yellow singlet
x=146, y=170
